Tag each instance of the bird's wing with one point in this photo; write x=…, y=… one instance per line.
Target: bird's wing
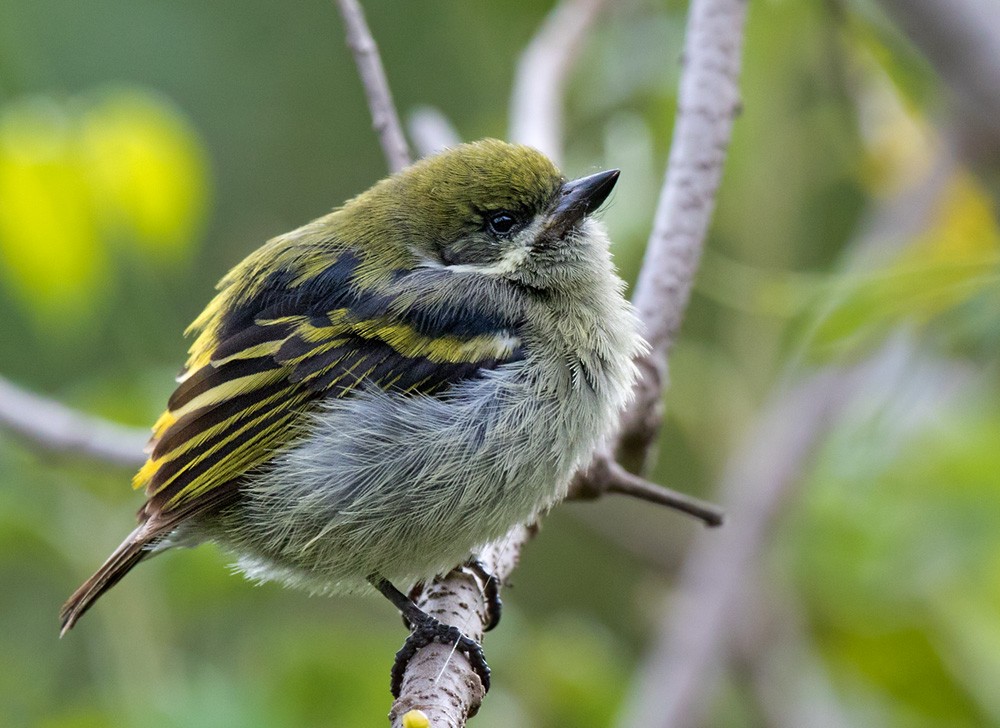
x=270, y=349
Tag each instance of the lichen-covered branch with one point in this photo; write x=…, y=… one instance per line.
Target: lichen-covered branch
x=439, y=682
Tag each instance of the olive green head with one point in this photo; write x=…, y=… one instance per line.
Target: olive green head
x=490, y=207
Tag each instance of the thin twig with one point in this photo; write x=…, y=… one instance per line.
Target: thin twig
x=708, y=103
x=537, y=100
x=606, y=476
x=57, y=428
x=385, y=120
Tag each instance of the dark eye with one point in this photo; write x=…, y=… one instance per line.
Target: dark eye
x=501, y=223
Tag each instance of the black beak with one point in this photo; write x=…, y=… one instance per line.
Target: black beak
x=580, y=197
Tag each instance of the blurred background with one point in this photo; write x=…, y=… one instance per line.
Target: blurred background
x=148, y=145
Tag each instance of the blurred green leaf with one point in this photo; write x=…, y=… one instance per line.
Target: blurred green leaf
x=953, y=261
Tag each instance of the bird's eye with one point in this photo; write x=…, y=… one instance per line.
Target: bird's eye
x=501, y=223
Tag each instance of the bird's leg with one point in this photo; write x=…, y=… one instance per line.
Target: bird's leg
x=425, y=629
x=491, y=592
x=415, y=593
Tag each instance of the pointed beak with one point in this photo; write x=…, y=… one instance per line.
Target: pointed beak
x=580, y=197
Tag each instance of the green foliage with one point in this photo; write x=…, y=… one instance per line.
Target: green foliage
x=896, y=556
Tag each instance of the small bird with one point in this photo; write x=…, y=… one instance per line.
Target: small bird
x=373, y=395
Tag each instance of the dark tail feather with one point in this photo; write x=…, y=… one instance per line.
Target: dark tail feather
x=131, y=552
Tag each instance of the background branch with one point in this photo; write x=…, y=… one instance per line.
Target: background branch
x=54, y=427
x=431, y=131
x=720, y=576
x=385, y=120
x=961, y=39
x=536, y=103
x=755, y=485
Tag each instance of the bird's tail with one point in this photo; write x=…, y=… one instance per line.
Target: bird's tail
x=132, y=550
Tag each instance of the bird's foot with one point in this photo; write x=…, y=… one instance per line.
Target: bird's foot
x=491, y=592
x=426, y=630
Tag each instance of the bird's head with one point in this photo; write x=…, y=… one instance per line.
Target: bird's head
x=488, y=208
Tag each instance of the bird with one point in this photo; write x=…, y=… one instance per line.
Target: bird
x=373, y=396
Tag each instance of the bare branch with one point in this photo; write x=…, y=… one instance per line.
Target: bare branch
x=537, y=100
x=58, y=428
x=385, y=120
x=438, y=681
x=431, y=131
x=604, y=476
x=708, y=102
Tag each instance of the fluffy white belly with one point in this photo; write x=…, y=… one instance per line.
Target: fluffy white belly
x=408, y=486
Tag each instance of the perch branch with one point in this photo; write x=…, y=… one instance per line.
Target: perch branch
x=537, y=99
x=385, y=120
x=57, y=428
x=437, y=681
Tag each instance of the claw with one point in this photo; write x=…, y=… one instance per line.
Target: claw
x=426, y=629
x=491, y=592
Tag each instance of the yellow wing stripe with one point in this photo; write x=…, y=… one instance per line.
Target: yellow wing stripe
x=440, y=349
x=237, y=463
x=216, y=395
x=404, y=338
x=228, y=390
x=266, y=348
x=253, y=411
x=225, y=469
